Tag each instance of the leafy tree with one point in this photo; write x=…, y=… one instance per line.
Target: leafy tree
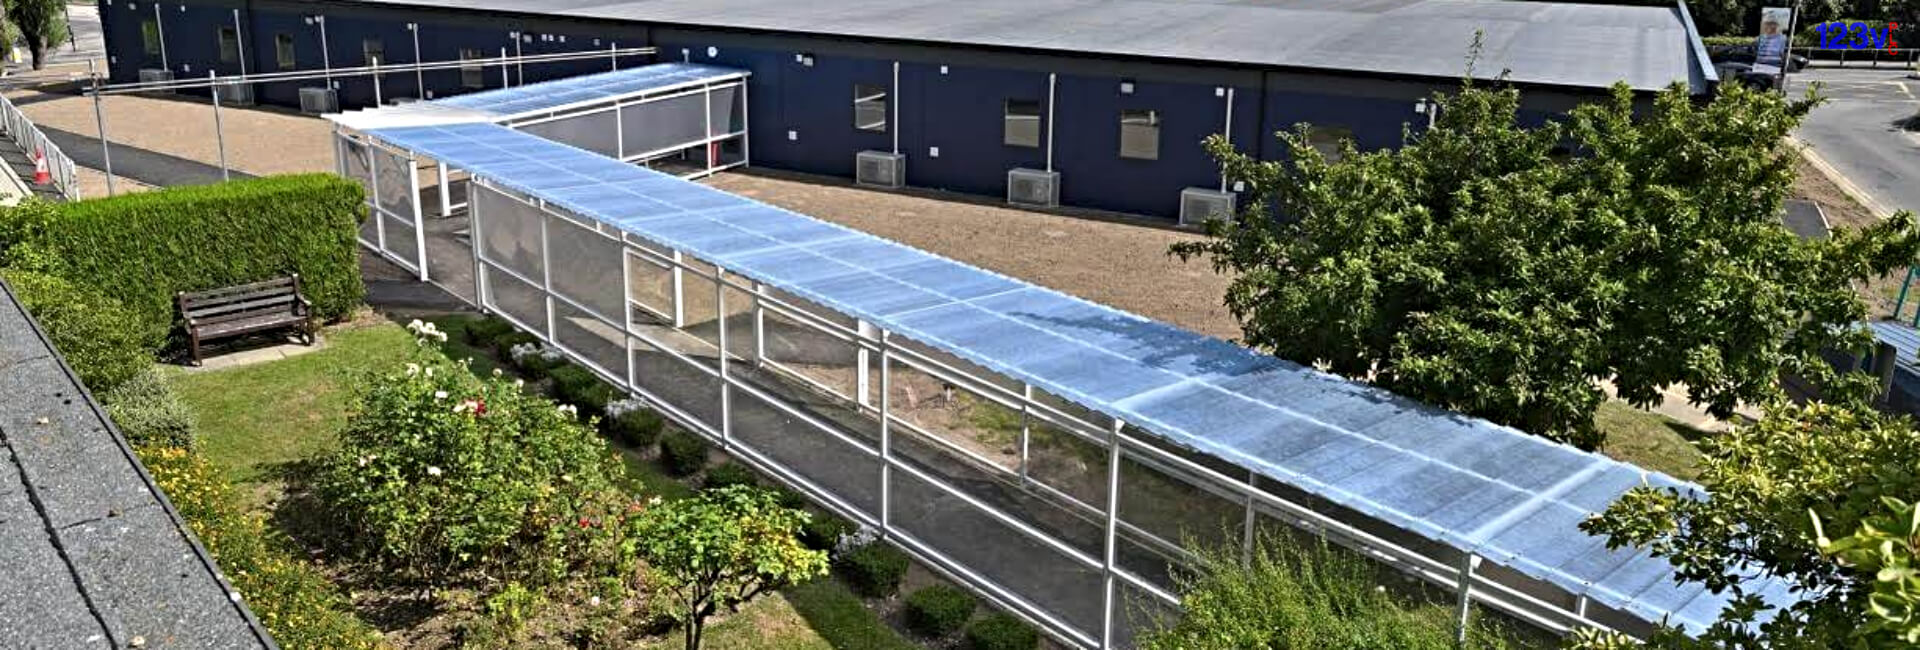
x=1776, y=485
x=1482, y=269
x=721, y=549
x=41, y=23
x=1288, y=596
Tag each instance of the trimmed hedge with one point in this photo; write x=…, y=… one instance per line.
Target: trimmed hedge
x=580, y=387
x=638, y=428
x=823, y=531
x=938, y=610
x=92, y=331
x=141, y=248
x=683, y=453
x=483, y=332
x=874, y=570
x=729, y=474
x=998, y=631
x=149, y=413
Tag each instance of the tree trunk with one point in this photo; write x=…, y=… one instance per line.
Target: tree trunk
x=38, y=48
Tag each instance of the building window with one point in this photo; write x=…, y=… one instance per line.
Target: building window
x=1327, y=138
x=150, y=36
x=1022, y=123
x=283, y=51
x=870, y=107
x=229, y=45
x=472, y=76
x=374, y=51
x=1140, y=134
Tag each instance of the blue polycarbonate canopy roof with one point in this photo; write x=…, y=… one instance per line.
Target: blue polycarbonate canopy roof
x=1513, y=498
x=590, y=89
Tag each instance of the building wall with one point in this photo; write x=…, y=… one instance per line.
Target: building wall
x=949, y=101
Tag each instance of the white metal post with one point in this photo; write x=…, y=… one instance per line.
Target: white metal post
x=219, y=133
x=100, y=120
x=679, y=297
x=519, y=67
x=1026, y=428
x=1464, y=608
x=861, y=379
x=726, y=387
x=240, y=44
x=1052, y=79
x=546, y=273
x=419, y=75
x=746, y=124
x=1227, y=134
x=376, y=82
x=895, y=92
x=160, y=33
x=473, y=244
x=505, y=82
x=619, y=132
x=373, y=179
x=326, y=55
x=613, y=56
x=706, y=98
x=446, y=193
x=626, y=313
x=419, y=215
x=1246, y=534
x=759, y=325
x=1112, y=540
x=886, y=434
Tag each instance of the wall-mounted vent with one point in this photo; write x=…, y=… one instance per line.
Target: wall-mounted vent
x=319, y=100
x=880, y=169
x=234, y=93
x=1198, y=204
x=150, y=75
x=1033, y=188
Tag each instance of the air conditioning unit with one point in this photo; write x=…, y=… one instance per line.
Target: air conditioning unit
x=319, y=100
x=234, y=93
x=1198, y=204
x=1033, y=188
x=149, y=75
x=880, y=169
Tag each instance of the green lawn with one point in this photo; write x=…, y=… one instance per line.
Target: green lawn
x=1650, y=440
x=258, y=419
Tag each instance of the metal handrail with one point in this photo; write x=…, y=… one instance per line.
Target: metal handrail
x=1897, y=56
x=24, y=133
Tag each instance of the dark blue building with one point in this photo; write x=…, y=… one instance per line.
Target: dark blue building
x=1115, y=97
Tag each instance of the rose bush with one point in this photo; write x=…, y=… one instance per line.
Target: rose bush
x=439, y=474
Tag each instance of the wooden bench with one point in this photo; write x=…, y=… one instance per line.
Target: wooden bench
x=244, y=309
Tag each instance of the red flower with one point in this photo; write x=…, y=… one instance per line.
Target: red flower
x=585, y=522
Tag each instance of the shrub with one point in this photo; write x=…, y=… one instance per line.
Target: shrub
x=938, y=610
x=483, y=332
x=824, y=531
x=720, y=549
x=441, y=472
x=874, y=570
x=503, y=344
x=149, y=413
x=141, y=248
x=842, y=619
x=683, y=453
x=998, y=631
x=92, y=331
x=580, y=387
x=633, y=424
x=294, y=599
x=729, y=474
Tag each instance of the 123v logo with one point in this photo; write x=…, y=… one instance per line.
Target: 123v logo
x=1856, y=36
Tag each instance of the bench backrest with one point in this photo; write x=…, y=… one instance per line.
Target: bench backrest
x=240, y=301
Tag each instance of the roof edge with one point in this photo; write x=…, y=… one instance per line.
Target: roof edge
x=1709, y=77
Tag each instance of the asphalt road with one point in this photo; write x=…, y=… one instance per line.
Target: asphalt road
x=1859, y=131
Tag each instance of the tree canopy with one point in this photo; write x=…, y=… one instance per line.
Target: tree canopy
x=1483, y=268
x=41, y=23
x=723, y=548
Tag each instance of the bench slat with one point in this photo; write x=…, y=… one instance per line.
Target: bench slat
x=191, y=296
x=283, y=302
x=237, y=297
x=243, y=326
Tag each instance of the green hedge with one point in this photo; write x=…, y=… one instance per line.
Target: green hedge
x=93, y=332
x=149, y=413
x=874, y=570
x=141, y=248
x=578, y=386
x=639, y=428
x=729, y=474
x=938, y=610
x=682, y=453
x=1001, y=632
x=824, y=530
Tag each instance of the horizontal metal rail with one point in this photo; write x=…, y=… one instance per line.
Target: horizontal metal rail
x=363, y=71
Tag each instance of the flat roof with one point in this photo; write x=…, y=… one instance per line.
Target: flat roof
x=544, y=98
x=1561, y=44
x=1513, y=498
x=90, y=555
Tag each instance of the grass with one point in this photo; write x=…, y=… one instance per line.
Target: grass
x=1650, y=440
x=257, y=418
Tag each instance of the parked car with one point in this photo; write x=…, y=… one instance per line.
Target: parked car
x=1742, y=73
x=1744, y=54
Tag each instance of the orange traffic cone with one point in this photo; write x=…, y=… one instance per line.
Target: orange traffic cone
x=40, y=174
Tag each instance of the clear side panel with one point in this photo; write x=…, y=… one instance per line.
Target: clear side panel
x=650, y=289
x=663, y=124
x=509, y=232
x=357, y=164
x=819, y=359
x=518, y=300
x=1137, y=612
x=401, y=239
x=950, y=416
x=1165, y=511
x=585, y=266
x=700, y=304
x=729, y=151
x=1053, y=581
x=1068, y=463
x=694, y=390
x=595, y=132
x=822, y=458
x=589, y=337
x=394, y=193
x=728, y=115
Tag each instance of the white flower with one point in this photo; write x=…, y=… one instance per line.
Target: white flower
x=415, y=325
x=439, y=394
x=461, y=407
x=594, y=601
x=413, y=369
x=496, y=372
x=433, y=471
x=429, y=371
x=519, y=382
x=568, y=409
x=654, y=501
x=363, y=461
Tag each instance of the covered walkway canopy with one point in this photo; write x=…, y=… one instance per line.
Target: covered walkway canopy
x=1458, y=489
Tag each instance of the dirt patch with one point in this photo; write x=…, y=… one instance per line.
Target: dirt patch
x=259, y=140
x=1845, y=213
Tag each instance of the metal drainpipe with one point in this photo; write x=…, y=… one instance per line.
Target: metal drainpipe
x=1052, y=78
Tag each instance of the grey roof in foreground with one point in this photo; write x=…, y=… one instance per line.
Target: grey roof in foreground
x=90, y=557
x=1563, y=44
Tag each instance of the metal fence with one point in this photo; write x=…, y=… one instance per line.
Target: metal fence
x=1894, y=57
x=23, y=132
